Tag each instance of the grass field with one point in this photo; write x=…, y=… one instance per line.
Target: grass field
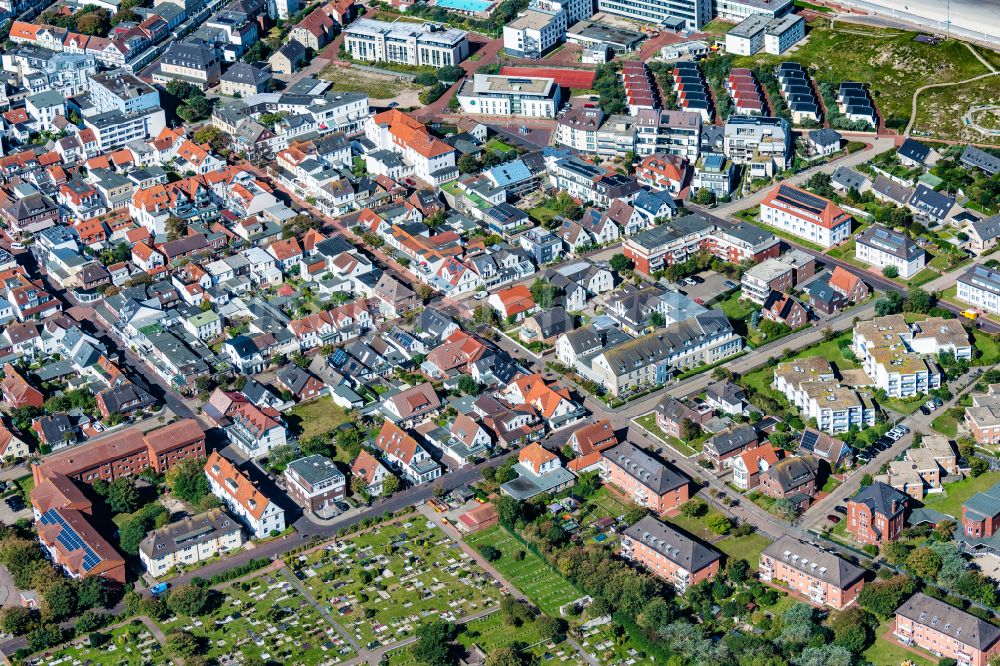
x=373, y=84
x=989, y=350
x=532, y=576
x=734, y=308
x=128, y=645
x=649, y=423
x=382, y=586
x=744, y=548
x=316, y=417
x=946, y=424
x=940, y=111
x=889, y=60
x=955, y=494
x=542, y=214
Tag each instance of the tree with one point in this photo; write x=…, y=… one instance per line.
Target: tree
x=890, y=272
x=504, y=656
x=656, y=319
x=60, y=601
x=434, y=644
x=718, y=523
x=490, y=553
x=894, y=552
x=468, y=164
x=704, y=197
x=978, y=466
x=122, y=495
x=891, y=303
x=924, y=562
x=785, y=509
x=92, y=592
x=187, y=480
x=550, y=628
x=620, y=263
x=44, y=637
x=17, y=620
x=689, y=430
x=825, y=655
x=882, y=597
x=544, y=294
x=867, y=480
x=189, y=600
x=280, y=456
x=918, y=300
x=468, y=385
x=390, y=485
x=176, y=228
x=95, y=24
x=180, y=643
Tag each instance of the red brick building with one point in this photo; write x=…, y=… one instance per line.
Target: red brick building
x=822, y=577
x=946, y=631
x=643, y=479
x=126, y=453
x=981, y=514
x=877, y=514
x=677, y=559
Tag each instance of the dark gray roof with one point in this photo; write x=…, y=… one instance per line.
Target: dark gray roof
x=792, y=473
x=879, y=497
x=890, y=241
x=187, y=54
x=735, y=439
x=188, y=532
x=914, y=150
x=931, y=202
x=293, y=50
x=814, y=562
x=554, y=321
x=848, y=178
x=980, y=159
x=725, y=392
x=892, y=190
x=683, y=551
x=825, y=136
x=648, y=471
x=950, y=621
x=987, y=229
x=242, y=72
x=672, y=409
x=315, y=469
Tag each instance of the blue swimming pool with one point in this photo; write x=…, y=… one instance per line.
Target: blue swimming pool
x=471, y=6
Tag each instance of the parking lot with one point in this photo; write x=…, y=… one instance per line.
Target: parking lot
x=712, y=286
x=13, y=509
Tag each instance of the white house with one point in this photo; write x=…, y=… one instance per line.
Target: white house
x=261, y=516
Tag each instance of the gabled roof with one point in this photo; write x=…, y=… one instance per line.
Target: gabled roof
x=236, y=485
x=687, y=553
x=883, y=499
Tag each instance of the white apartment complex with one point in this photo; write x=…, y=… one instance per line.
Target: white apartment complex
x=805, y=215
x=238, y=493
x=405, y=43
x=980, y=287
x=683, y=14
x=737, y=10
x=810, y=385
x=588, y=130
x=496, y=95
x=189, y=541
x=534, y=32
x=883, y=347
x=761, y=32
x=677, y=132
x=880, y=247
x=765, y=144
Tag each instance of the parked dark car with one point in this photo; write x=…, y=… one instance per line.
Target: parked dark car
x=841, y=509
x=833, y=519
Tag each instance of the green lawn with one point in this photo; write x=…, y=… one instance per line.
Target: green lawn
x=886, y=653
x=649, y=423
x=950, y=501
x=693, y=526
x=989, y=350
x=26, y=484
x=383, y=585
x=316, y=417
x=734, y=308
x=744, y=548
x=906, y=407
x=717, y=27
x=923, y=277
x=128, y=645
x=946, y=424
x=531, y=575
x=542, y=214
x=498, y=146
x=830, y=485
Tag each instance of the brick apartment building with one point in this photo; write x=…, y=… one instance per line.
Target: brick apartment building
x=877, y=514
x=946, y=631
x=315, y=483
x=981, y=514
x=822, y=577
x=677, y=559
x=643, y=479
x=126, y=453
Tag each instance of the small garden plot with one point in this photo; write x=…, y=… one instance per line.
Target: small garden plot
x=128, y=645
x=530, y=574
x=602, y=643
x=268, y=618
x=382, y=586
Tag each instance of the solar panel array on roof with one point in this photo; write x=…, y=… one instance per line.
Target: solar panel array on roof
x=800, y=199
x=809, y=439
x=70, y=540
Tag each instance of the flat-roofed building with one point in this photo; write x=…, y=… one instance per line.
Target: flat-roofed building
x=496, y=95
x=425, y=44
x=882, y=346
x=805, y=215
x=674, y=14
x=821, y=577
x=880, y=246
x=737, y=10
x=946, y=631
x=980, y=287
x=189, y=541
x=761, y=279
x=643, y=479
x=811, y=385
x=762, y=143
x=534, y=32
x=315, y=483
x=678, y=559
x=660, y=131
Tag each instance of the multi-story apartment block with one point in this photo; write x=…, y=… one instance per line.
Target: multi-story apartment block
x=737, y=10
x=534, y=32
x=188, y=541
x=120, y=90
x=679, y=560
x=404, y=454
x=588, y=130
x=715, y=173
x=495, y=95
x=980, y=287
x=763, y=278
x=880, y=246
x=433, y=160
x=658, y=131
x=315, y=483
x=674, y=14
x=983, y=417
x=882, y=347
x=677, y=240
x=425, y=44
x=643, y=479
x=946, y=631
x=190, y=62
x=820, y=576
x=40, y=69
x=876, y=514
x=588, y=181
x=805, y=215
x=239, y=494
x=810, y=385
x=765, y=144
x=114, y=129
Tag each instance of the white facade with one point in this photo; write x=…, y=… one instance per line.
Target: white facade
x=497, y=95
x=405, y=43
x=784, y=33
x=980, y=288
x=737, y=10
x=879, y=252
x=534, y=32
x=185, y=550
x=694, y=13
x=258, y=513
x=114, y=129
